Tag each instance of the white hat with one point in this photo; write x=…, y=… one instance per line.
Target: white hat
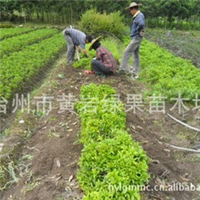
x=133, y=4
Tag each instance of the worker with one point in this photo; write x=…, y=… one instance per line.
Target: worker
x=104, y=64
x=137, y=33
x=75, y=39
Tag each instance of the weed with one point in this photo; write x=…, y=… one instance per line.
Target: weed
x=2, y=177
x=55, y=84
x=181, y=136
x=61, y=76
x=166, y=138
x=52, y=132
x=59, y=198
x=39, y=113
x=12, y=173
x=28, y=133
x=32, y=186
x=4, y=133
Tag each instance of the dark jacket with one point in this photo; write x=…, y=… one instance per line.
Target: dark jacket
x=137, y=25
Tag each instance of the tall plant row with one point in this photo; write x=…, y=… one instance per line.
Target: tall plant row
x=17, y=43
x=110, y=157
x=166, y=74
x=9, y=32
x=20, y=66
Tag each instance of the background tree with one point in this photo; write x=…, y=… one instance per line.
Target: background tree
x=7, y=9
x=175, y=8
x=159, y=13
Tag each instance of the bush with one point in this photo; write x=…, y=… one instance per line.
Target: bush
x=110, y=160
x=93, y=22
x=111, y=163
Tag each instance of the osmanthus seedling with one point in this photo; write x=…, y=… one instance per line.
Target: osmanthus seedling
x=166, y=74
x=19, y=67
x=110, y=157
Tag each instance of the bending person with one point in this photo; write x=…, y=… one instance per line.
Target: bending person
x=75, y=39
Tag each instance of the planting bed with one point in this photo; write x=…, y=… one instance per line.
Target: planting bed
x=45, y=154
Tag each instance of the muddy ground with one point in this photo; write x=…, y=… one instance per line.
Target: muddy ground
x=46, y=149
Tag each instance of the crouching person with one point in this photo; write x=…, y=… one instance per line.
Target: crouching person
x=104, y=64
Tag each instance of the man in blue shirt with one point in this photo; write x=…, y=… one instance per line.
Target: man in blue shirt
x=75, y=38
x=137, y=33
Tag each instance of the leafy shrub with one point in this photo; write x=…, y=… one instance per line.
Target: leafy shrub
x=19, y=42
x=112, y=162
x=166, y=74
x=110, y=157
x=100, y=91
x=101, y=115
x=10, y=32
x=19, y=67
x=93, y=22
x=84, y=62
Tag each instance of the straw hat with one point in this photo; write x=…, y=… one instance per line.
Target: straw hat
x=133, y=4
x=94, y=41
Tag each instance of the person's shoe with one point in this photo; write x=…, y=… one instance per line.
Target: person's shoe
x=121, y=71
x=134, y=76
x=70, y=62
x=102, y=75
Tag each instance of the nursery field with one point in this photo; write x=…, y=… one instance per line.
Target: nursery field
x=23, y=56
x=80, y=136
x=185, y=44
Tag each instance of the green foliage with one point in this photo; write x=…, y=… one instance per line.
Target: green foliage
x=69, y=12
x=174, y=8
x=101, y=91
x=109, y=43
x=93, y=22
x=181, y=43
x=166, y=74
x=17, y=43
x=8, y=8
x=110, y=157
x=176, y=23
x=84, y=63
x=19, y=67
x=9, y=32
x=114, y=161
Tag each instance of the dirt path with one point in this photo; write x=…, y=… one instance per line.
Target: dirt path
x=48, y=149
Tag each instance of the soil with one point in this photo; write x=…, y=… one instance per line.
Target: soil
x=49, y=149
